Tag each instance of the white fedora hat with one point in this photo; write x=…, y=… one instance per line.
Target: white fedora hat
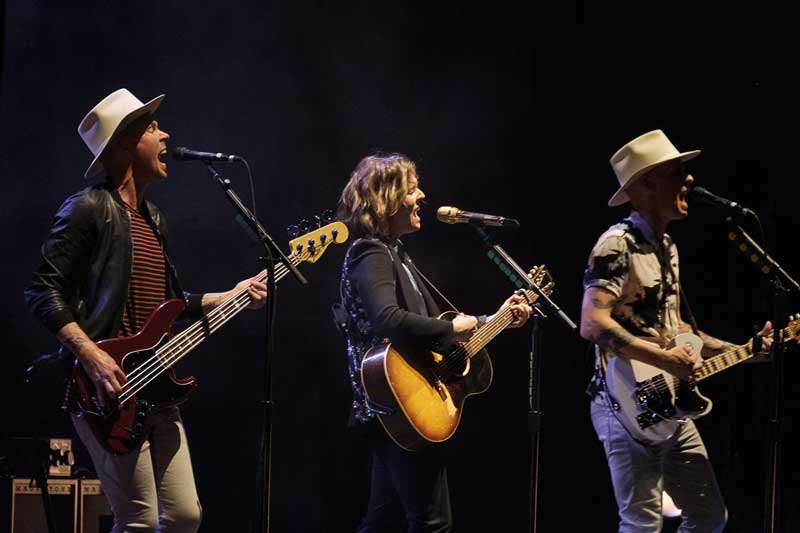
x=107, y=119
x=640, y=155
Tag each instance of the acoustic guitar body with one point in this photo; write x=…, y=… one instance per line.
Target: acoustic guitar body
x=422, y=392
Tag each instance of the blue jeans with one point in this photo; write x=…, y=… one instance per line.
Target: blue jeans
x=640, y=474
x=412, y=482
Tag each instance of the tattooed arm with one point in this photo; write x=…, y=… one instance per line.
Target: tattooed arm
x=599, y=327
x=713, y=346
x=107, y=376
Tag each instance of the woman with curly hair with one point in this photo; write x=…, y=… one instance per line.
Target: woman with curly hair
x=387, y=298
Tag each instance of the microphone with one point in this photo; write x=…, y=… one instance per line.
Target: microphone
x=182, y=153
x=704, y=196
x=452, y=215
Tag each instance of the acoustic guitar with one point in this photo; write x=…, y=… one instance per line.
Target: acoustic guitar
x=422, y=392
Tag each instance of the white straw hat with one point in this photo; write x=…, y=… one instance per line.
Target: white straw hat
x=639, y=156
x=107, y=119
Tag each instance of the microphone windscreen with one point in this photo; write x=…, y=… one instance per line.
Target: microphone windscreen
x=702, y=195
x=447, y=214
x=178, y=153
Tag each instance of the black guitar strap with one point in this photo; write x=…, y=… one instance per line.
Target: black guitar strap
x=173, y=274
x=684, y=303
x=428, y=283
x=689, y=314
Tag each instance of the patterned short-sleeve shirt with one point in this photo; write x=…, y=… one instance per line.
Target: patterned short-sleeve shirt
x=641, y=270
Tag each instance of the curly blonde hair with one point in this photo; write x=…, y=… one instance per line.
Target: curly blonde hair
x=375, y=191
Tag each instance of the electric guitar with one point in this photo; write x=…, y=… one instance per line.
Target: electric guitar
x=148, y=356
x=653, y=403
x=421, y=393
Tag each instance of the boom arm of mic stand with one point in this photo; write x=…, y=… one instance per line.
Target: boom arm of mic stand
x=767, y=265
x=510, y=263
x=779, y=279
x=254, y=223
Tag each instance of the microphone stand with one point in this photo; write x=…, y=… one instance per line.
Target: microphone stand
x=41, y=477
x=782, y=284
x=271, y=252
x=520, y=278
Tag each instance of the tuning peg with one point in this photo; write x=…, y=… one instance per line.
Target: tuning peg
x=304, y=225
x=293, y=231
x=327, y=216
x=318, y=220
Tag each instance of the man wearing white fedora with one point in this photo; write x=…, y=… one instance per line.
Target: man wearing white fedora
x=631, y=309
x=104, y=268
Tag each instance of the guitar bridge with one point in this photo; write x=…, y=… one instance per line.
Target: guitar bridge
x=654, y=397
x=440, y=390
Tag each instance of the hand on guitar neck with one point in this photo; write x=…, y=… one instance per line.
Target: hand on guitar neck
x=464, y=326
x=520, y=310
x=256, y=288
x=764, y=337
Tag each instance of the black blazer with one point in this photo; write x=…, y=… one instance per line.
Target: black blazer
x=382, y=284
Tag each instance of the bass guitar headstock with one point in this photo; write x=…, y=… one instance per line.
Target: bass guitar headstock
x=312, y=243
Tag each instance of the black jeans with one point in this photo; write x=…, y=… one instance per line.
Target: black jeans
x=411, y=482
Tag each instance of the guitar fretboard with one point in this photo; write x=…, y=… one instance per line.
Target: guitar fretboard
x=191, y=337
x=493, y=327
x=308, y=247
x=725, y=360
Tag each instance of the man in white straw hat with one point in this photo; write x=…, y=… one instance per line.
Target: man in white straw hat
x=104, y=268
x=631, y=293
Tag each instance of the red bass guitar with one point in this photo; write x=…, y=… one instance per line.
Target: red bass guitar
x=147, y=358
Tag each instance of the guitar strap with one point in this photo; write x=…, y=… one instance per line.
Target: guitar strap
x=689, y=314
x=173, y=274
x=428, y=283
x=684, y=301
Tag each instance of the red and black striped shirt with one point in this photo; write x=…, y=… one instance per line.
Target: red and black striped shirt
x=148, y=285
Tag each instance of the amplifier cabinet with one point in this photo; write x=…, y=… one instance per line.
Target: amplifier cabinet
x=95, y=513
x=27, y=507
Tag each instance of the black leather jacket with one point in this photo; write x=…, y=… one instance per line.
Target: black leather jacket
x=86, y=264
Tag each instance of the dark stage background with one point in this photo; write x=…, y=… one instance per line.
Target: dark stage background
x=508, y=110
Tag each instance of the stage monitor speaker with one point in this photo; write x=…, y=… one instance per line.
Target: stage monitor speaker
x=27, y=507
x=95, y=515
